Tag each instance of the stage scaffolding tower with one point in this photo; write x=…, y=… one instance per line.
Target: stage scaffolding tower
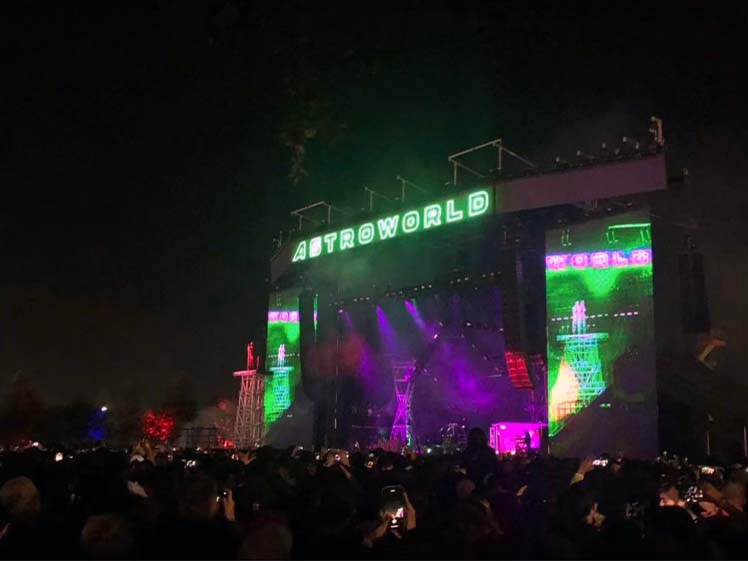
x=404, y=377
x=249, y=428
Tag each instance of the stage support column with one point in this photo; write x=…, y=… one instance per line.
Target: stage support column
x=312, y=380
x=324, y=368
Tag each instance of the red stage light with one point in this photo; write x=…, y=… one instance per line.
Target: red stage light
x=516, y=364
x=159, y=426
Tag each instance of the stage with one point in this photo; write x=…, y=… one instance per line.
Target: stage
x=482, y=308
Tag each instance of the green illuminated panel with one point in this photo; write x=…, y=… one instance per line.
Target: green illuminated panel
x=457, y=209
x=283, y=361
x=599, y=316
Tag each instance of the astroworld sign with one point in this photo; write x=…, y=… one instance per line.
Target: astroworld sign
x=455, y=210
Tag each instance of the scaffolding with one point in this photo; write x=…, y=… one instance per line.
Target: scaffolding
x=403, y=375
x=249, y=429
x=582, y=353
x=458, y=160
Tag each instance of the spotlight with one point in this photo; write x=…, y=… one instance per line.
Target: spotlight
x=104, y=408
x=340, y=310
x=436, y=335
x=583, y=158
x=604, y=151
x=627, y=147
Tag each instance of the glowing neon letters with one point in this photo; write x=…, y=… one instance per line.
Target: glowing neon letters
x=457, y=209
x=599, y=260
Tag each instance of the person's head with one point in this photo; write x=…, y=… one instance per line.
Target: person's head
x=464, y=488
x=20, y=499
x=266, y=540
x=734, y=493
x=671, y=533
x=198, y=499
x=578, y=505
x=387, y=463
x=477, y=438
x=161, y=460
x=669, y=495
x=474, y=521
x=107, y=536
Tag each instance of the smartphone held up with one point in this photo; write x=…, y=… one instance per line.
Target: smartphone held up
x=393, y=504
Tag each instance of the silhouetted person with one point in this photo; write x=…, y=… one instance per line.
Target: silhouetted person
x=479, y=459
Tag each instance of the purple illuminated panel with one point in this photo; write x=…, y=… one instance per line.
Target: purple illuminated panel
x=580, y=260
x=599, y=260
x=619, y=259
x=641, y=257
x=557, y=262
x=285, y=316
x=507, y=438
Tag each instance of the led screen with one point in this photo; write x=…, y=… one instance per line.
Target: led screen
x=283, y=360
x=601, y=377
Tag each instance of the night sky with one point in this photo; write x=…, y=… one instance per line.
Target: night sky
x=144, y=171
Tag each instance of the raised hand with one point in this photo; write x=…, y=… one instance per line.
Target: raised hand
x=229, y=506
x=410, y=514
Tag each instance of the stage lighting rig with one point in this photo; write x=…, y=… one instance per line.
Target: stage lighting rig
x=629, y=147
x=584, y=159
x=374, y=194
x=407, y=183
x=481, y=326
x=459, y=161
x=604, y=151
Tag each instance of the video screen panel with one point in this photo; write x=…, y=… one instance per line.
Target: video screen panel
x=283, y=354
x=288, y=410
x=600, y=325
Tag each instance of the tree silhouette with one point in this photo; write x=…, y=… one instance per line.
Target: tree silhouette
x=22, y=412
x=68, y=424
x=180, y=403
x=126, y=412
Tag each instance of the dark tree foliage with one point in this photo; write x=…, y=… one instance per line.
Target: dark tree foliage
x=180, y=401
x=23, y=412
x=127, y=413
x=69, y=424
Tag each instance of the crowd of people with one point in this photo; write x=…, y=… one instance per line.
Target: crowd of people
x=155, y=502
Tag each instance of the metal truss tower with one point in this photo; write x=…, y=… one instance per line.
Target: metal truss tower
x=249, y=428
x=582, y=353
x=404, y=377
